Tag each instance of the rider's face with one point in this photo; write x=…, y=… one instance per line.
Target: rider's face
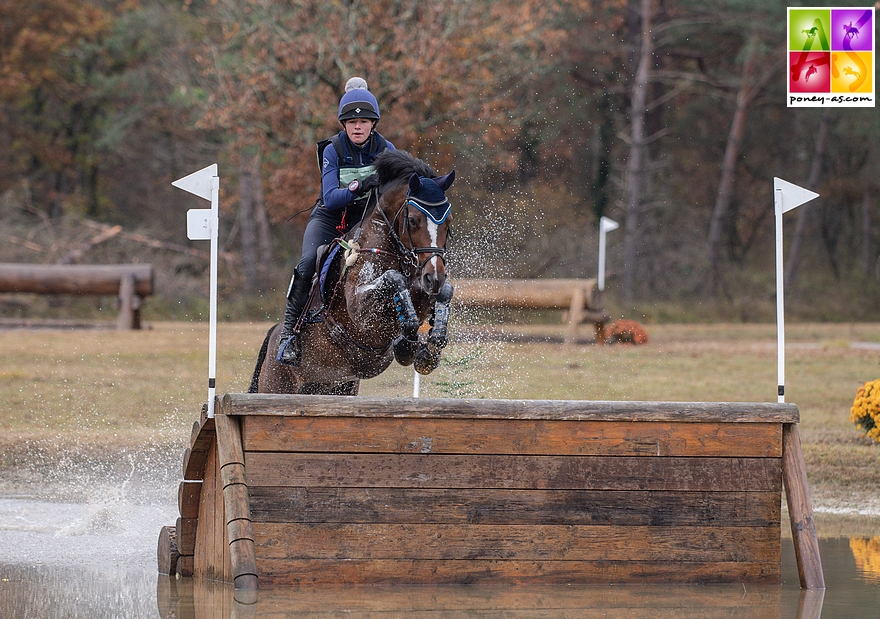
x=358, y=129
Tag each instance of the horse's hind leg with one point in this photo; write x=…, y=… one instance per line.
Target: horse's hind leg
x=261, y=357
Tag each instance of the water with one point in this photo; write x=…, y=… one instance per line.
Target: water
x=98, y=560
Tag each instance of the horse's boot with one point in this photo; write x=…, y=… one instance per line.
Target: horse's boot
x=289, y=345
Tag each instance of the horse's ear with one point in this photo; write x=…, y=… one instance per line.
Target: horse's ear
x=445, y=181
x=414, y=183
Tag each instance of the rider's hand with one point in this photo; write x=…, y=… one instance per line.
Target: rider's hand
x=360, y=188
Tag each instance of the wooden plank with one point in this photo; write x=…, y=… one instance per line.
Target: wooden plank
x=510, y=436
x=516, y=542
x=312, y=571
x=576, y=410
x=523, y=472
x=500, y=507
x=204, y=553
x=797, y=495
x=203, y=434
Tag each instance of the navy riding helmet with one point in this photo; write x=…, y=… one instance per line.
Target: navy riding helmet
x=358, y=102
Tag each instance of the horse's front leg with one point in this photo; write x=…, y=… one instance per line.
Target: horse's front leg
x=394, y=284
x=428, y=356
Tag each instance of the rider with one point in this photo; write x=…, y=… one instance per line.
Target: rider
x=347, y=178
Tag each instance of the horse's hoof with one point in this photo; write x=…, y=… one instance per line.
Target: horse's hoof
x=404, y=350
x=290, y=352
x=426, y=361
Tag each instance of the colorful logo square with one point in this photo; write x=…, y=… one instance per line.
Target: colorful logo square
x=831, y=57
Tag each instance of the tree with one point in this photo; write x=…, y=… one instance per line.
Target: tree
x=48, y=58
x=756, y=72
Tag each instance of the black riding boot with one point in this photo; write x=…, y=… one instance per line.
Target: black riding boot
x=290, y=348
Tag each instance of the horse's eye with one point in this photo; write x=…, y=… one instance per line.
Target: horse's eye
x=412, y=222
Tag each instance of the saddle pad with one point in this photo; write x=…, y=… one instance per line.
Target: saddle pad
x=325, y=268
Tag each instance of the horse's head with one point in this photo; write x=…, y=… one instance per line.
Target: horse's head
x=424, y=227
x=420, y=216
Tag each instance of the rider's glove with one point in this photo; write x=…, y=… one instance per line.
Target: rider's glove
x=360, y=188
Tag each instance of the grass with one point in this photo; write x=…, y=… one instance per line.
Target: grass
x=85, y=402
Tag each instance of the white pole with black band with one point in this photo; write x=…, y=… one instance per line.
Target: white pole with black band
x=786, y=196
x=203, y=225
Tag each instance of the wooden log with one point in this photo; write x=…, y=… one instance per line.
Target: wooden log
x=503, y=507
x=517, y=542
x=166, y=552
x=515, y=472
x=129, y=316
x=297, y=572
x=510, y=436
x=235, y=498
x=797, y=495
x=186, y=535
x=185, y=566
x=524, y=293
x=79, y=279
x=366, y=406
x=575, y=314
x=188, y=494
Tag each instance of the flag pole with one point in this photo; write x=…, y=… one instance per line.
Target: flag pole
x=786, y=196
x=204, y=225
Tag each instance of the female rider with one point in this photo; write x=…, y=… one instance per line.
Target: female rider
x=347, y=178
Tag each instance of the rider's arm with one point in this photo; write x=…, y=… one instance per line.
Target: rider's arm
x=334, y=196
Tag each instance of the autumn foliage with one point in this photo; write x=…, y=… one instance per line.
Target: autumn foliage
x=539, y=106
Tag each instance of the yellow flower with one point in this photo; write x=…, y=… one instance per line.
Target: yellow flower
x=865, y=411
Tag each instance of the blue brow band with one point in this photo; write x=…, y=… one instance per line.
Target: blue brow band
x=436, y=220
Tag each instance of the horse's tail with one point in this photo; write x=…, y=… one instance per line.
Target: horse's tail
x=255, y=380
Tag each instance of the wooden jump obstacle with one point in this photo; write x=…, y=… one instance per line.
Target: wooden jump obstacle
x=130, y=283
x=580, y=298
x=300, y=490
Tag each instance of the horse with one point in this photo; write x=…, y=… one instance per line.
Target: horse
x=381, y=282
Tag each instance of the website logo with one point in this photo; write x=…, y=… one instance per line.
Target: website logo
x=831, y=57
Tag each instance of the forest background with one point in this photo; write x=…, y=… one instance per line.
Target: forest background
x=668, y=116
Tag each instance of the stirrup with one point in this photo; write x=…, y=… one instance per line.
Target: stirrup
x=290, y=351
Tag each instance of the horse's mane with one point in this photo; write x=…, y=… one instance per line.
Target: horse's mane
x=394, y=166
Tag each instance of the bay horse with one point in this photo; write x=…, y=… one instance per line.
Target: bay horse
x=375, y=288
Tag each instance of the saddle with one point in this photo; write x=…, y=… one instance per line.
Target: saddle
x=323, y=282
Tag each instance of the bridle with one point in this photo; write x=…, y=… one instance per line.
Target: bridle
x=410, y=256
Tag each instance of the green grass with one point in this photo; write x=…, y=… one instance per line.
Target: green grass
x=100, y=393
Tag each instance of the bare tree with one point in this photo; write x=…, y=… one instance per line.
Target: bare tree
x=800, y=231
x=253, y=223
x=636, y=165
x=749, y=87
